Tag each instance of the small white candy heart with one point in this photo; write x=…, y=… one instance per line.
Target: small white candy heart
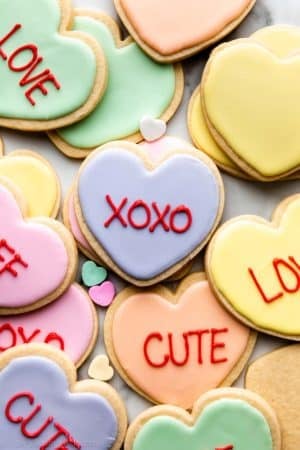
x=152, y=129
x=100, y=369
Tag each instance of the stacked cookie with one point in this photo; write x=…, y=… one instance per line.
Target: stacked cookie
x=143, y=205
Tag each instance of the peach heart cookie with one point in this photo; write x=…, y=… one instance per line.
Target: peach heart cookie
x=254, y=269
x=222, y=419
x=38, y=257
x=275, y=377
x=282, y=41
x=246, y=119
x=143, y=232
x=38, y=60
x=36, y=179
x=43, y=405
x=187, y=336
x=136, y=86
x=172, y=30
x=70, y=324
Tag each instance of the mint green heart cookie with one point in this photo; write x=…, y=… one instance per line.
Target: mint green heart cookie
x=231, y=424
x=46, y=73
x=137, y=86
x=92, y=275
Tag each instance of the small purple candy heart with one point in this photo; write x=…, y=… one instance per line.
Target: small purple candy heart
x=104, y=294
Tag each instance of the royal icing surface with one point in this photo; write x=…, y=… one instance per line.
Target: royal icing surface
x=36, y=180
x=33, y=258
x=143, y=228
x=261, y=277
x=225, y=424
x=282, y=40
x=36, y=416
x=194, y=341
x=68, y=324
x=136, y=86
x=258, y=130
x=172, y=25
x=37, y=64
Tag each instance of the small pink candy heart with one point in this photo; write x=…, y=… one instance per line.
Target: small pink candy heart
x=104, y=294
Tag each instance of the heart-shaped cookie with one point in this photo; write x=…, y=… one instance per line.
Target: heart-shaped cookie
x=70, y=324
x=223, y=419
x=172, y=30
x=187, y=336
x=93, y=274
x=137, y=86
x=260, y=279
x=275, y=376
x=38, y=60
x=39, y=417
x=38, y=257
x=282, y=40
x=257, y=133
x=141, y=231
x=36, y=179
x=100, y=369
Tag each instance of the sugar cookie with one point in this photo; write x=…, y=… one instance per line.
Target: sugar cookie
x=70, y=324
x=173, y=30
x=275, y=377
x=38, y=257
x=223, y=419
x=136, y=86
x=38, y=60
x=187, y=336
x=147, y=236
x=44, y=406
x=253, y=267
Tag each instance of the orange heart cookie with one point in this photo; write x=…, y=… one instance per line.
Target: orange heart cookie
x=187, y=336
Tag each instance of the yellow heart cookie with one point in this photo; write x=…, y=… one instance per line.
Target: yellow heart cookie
x=100, y=369
x=254, y=269
x=36, y=179
x=254, y=116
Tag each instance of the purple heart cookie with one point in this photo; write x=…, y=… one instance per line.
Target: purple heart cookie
x=144, y=219
x=43, y=407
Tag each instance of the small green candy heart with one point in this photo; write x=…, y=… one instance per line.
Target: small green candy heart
x=92, y=275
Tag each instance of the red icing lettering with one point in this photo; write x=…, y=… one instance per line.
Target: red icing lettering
x=12, y=335
x=170, y=356
x=133, y=207
x=228, y=447
x=154, y=216
x=11, y=260
x=181, y=210
x=24, y=421
x=217, y=345
x=8, y=329
x=6, y=38
x=151, y=337
x=160, y=217
x=37, y=81
x=55, y=337
x=286, y=285
x=116, y=212
x=59, y=430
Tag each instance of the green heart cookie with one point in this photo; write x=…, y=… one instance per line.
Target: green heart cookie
x=38, y=63
x=225, y=423
x=137, y=86
x=92, y=275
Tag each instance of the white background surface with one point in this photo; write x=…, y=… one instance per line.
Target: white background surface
x=241, y=197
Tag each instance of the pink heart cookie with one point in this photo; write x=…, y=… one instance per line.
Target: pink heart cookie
x=38, y=257
x=154, y=337
x=170, y=30
x=69, y=324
